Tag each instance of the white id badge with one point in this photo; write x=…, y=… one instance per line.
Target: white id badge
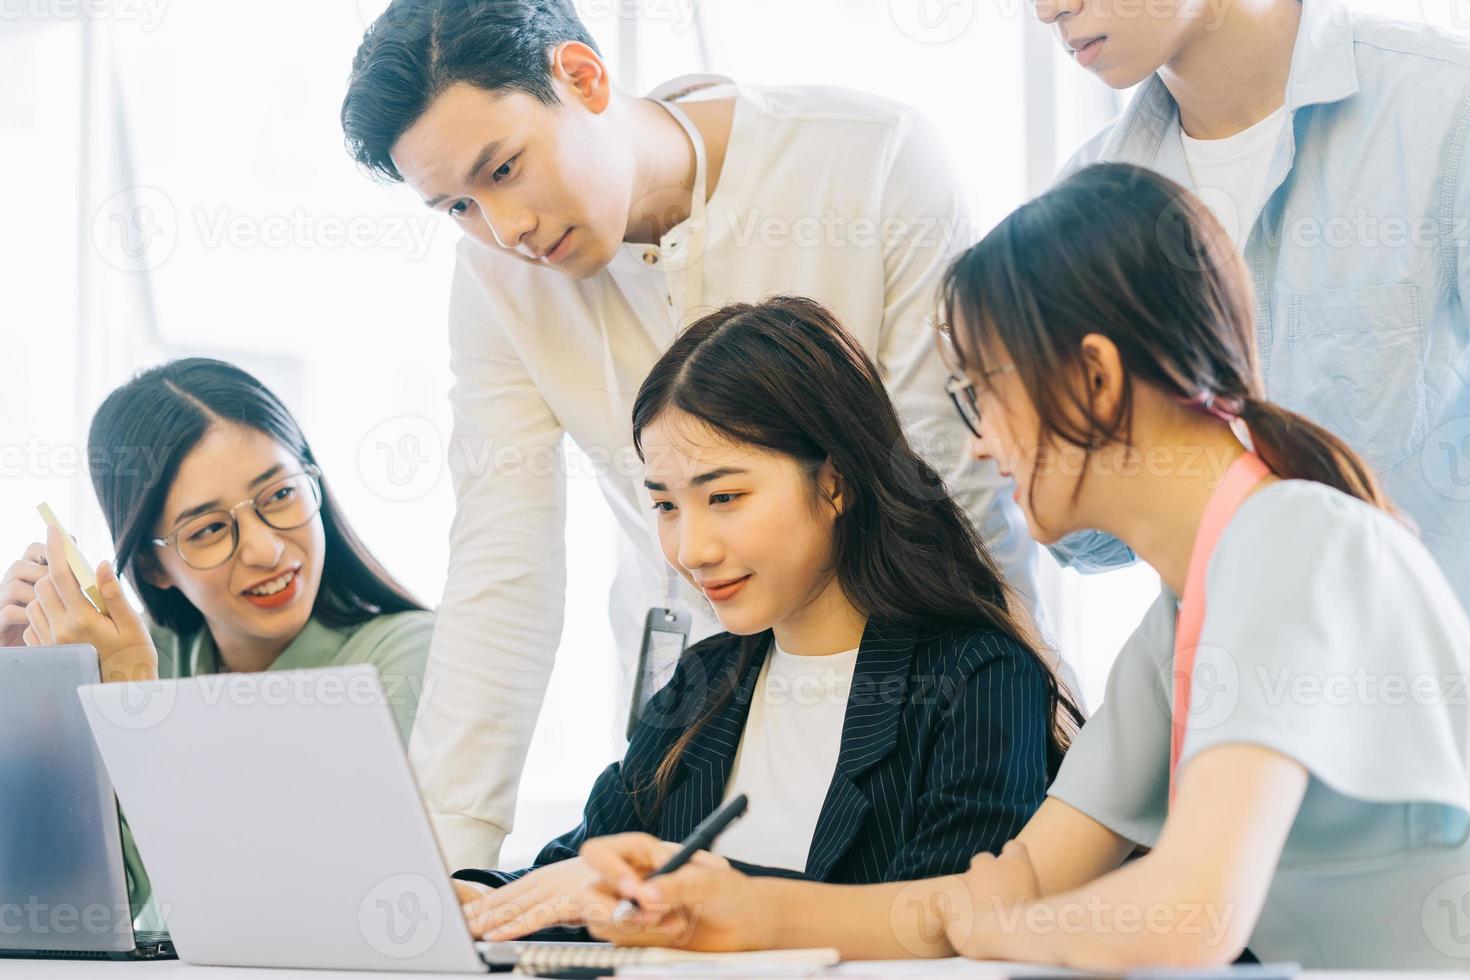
x=665, y=635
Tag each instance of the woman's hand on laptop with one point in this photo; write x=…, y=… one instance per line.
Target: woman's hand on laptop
x=560, y=894
x=18, y=590
x=60, y=613
x=705, y=905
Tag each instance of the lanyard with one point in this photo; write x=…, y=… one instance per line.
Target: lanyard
x=1240, y=479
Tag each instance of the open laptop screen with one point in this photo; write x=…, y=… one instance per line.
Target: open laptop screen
x=62, y=882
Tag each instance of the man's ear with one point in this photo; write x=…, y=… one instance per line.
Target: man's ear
x=578, y=67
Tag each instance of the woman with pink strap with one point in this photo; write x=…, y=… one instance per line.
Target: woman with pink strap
x=1285, y=735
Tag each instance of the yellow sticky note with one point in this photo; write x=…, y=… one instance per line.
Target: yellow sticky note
x=79, y=567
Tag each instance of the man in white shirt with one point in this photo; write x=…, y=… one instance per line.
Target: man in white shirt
x=597, y=225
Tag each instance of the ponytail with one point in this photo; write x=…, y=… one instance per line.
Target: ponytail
x=1296, y=448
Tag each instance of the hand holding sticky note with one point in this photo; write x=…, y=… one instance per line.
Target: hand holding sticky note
x=86, y=577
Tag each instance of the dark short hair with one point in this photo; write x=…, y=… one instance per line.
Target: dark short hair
x=419, y=48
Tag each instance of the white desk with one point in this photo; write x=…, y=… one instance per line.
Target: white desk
x=175, y=970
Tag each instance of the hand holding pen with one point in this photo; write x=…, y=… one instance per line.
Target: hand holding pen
x=704, y=904
x=701, y=839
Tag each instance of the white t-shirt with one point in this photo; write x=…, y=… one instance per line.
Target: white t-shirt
x=786, y=758
x=1230, y=174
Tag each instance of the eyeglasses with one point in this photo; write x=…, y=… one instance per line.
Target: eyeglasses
x=961, y=390
x=211, y=539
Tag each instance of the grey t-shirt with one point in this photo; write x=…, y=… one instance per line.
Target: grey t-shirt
x=1332, y=637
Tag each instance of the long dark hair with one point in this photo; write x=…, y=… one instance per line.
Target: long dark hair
x=141, y=435
x=1120, y=251
x=785, y=376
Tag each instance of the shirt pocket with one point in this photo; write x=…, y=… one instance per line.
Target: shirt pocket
x=1355, y=364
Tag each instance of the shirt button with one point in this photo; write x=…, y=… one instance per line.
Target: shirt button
x=650, y=258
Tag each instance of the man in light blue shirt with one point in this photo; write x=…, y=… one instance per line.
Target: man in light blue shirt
x=1357, y=236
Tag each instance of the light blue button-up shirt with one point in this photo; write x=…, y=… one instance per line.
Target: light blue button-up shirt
x=1360, y=256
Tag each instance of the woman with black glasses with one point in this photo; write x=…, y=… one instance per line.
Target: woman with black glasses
x=222, y=522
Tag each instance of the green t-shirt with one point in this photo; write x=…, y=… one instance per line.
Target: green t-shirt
x=396, y=643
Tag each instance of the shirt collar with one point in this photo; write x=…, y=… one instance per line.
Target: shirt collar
x=685, y=242
x=314, y=646
x=1324, y=66
x=1323, y=70
x=677, y=88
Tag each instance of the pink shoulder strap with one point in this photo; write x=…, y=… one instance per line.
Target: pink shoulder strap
x=1240, y=480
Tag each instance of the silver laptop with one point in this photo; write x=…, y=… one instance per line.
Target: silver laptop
x=280, y=821
x=63, y=887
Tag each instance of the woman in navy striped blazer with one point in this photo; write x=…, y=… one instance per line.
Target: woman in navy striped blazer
x=879, y=695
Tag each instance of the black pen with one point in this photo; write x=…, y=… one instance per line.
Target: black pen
x=703, y=836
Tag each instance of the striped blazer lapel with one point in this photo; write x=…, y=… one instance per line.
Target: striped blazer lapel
x=869, y=733
x=709, y=758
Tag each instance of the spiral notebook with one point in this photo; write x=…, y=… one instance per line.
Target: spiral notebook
x=537, y=959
